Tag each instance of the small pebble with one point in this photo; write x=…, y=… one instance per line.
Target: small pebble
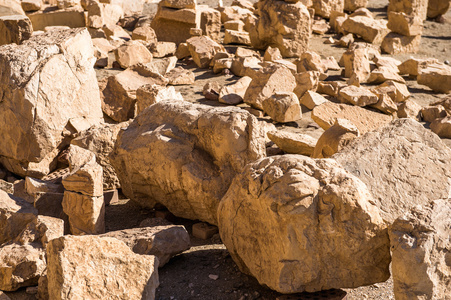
x=212, y=276
x=446, y=62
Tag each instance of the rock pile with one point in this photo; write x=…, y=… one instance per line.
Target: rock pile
x=314, y=179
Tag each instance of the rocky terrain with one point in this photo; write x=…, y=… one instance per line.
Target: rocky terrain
x=183, y=149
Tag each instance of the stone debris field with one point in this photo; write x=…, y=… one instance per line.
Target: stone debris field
x=236, y=149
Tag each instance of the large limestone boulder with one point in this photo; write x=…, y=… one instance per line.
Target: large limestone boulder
x=91, y=267
x=286, y=26
x=400, y=172
x=163, y=241
x=437, y=77
x=185, y=155
x=410, y=7
x=100, y=140
x=298, y=224
x=33, y=125
x=420, y=252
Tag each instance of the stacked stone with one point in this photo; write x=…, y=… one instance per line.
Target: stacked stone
x=405, y=20
x=175, y=19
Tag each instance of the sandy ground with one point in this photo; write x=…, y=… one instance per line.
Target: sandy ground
x=186, y=276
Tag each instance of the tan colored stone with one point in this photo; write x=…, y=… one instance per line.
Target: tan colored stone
x=268, y=81
x=369, y=29
x=204, y=231
x=162, y=241
x=356, y=63
x=151, y=93
x=387, y=62
x=335, y=138
x=442, y=127
x=116, y=32
x=409, y=109
x=323, y=8
x=211, y=90
x=119, y=95
x=10, y=8
x=306, y=81
x=236, y=37
x=336, y=21
x=272, y=54
x=383, y=74
x=182, y=51
x=210, y=22
x=413, y=66
x=15, y=29
x=234, y=93
x=73, y=17
x=430, y=113
x=346, y=40
x=310, y=61
x=320, y=26
x=179, y=4
x=365, y=120
x=196, y=153
x=86, y=213
x=437, y=77
x=180, y=76
x=293, y=143
x=352, y=5
x=237, y=25
x=283, y=107
x=234, y=13
x=437, y=8
x=100, y=14
x=359, y=96
x=131, y=54
x=410, y=7
x=286, y=26
x=100, y=140
x=394, y=43
x=163, y=49
x=33, y=99
x=203, y=49
x=222, y=64
x=401, y=173
x=398, y=92
x=409, y=25
x=145, y=33
x=15, y=214
x=98, y=268
x=246, y=66
x=385, y=104
x=20, y=266
x=31, y=5
x=41, y=231
x=298, y=224
x=420, y=252
x=311, y=99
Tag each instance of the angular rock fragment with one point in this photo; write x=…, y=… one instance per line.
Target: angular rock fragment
x=290, y=222
x=400, y=173
x=335, y=138
x=162, y=241
x=420, y=252
x=15, y=29
x=131, y=54
x=196, y=150
x=286, y=26
x=180, y=76
x=394, y=43
x=409, y=109
x=410, y=7
x=283, y=107
x=234, y=93
x=98, y=268
x=203, y=49
x=408, y=25
x=312, y=99
x=365, y=120
x=413, y=66
x=306, y=81
x=293, y=143
x=430, y=113
x=356, y=63
x=437, y=77
x=236, y=37
x=442, y=127
x=437, y=8
x=151, y=93
x=266, y=82
x=119, y=94
x=352, y=5
x=323, y=8
x=371, y=30
x=357, y=96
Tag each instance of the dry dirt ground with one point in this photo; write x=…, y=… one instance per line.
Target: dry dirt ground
x=187, y=276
